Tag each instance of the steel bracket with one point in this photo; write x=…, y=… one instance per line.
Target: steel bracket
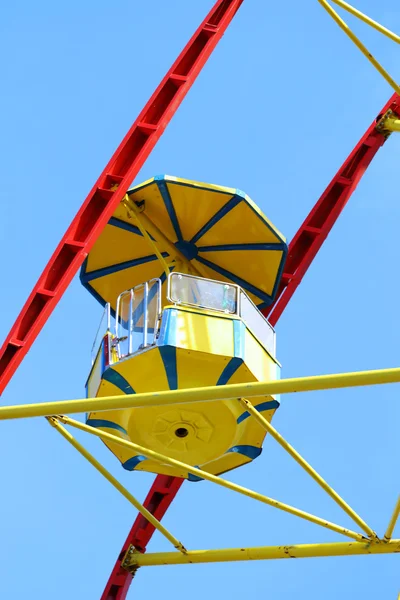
x=129, y=562
x=388, y=123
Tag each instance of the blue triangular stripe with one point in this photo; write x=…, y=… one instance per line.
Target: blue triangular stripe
x=234, y=201
x=116, y=379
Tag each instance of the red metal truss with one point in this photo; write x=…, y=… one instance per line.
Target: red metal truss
x=302, y=251
x=160, y=496
x=111, y=187
x=313, y=232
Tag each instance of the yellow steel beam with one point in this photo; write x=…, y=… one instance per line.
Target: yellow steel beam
x=306, y=466
x=161, y=458
x=135, y=560
x=388, y=123
x=162, y=240
x=203, y=394
x=393, y=520
x=392, y=124
x=374, y=24
x=343, y=25
x=132, y=206
x=147, y=515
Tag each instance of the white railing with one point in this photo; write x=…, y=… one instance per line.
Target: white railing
x=137, y=317
x=138, y=314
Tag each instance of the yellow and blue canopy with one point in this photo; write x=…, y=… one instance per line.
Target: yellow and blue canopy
x=222, y=234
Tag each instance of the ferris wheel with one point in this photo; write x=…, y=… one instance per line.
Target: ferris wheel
x=193, y=278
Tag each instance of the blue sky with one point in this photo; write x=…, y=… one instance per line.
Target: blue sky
x=277, y=109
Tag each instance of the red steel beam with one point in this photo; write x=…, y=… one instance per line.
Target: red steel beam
x=111, y=187
x=159, y=498
x=302, y=251
x=308, y=240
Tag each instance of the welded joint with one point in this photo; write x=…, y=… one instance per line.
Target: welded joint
x=129, y=562
x=388, y=123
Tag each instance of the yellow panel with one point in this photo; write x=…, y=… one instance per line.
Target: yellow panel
x=110, y=286
x=201, y=184
x=242, y=375
x=205, y=334
x=93, y=382
x=226, y=463
x=261, y=364
x=107, y=389
x=194, y=207
x=249, y=431
x=115, y=245
x=155, y=209
x=259, y=268
x=241, y=226
x=212, y=425
x=145, y=371
x=199, y=369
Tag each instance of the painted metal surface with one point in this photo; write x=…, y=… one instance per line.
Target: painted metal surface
x=195, y=348
x=162, y=458
x=356, y=40
x=93, y=215
x=97, y=465
x=313, y=232
x=206, y=394
x=135, y=560
x=198, y=223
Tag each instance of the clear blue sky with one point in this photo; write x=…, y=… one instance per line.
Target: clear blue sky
x=277, y=109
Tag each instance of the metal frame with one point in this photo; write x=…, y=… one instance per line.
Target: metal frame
x=66, y=435
x=118, y=319
x=203, y=394
x=343, y=25
x=367, y=542
x=134, y=559
x=110, y=189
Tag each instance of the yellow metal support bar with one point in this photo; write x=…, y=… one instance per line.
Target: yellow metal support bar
x=392, y=124
x=359, y=45
x=136, y=560
x=203, y=394
x=388, y=123
x=132, y=206
x=161, y=458
x=163, y=241
x=306, y=466
x=374, y=24
x=147, y=515
x=393, y=520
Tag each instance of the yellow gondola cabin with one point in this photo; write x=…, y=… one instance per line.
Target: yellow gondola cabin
x=182, y=281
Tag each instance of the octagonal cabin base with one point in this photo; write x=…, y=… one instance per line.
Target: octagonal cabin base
x=191, y=347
